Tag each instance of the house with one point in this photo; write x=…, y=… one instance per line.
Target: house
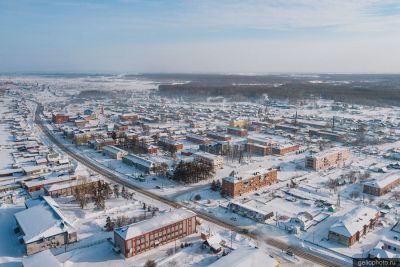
x=235, y=186
x=238, y=123
x=114, y=152
x=382, y=186
x=246, y=257
x=356, y=223
x=48, y=229
x=142, y=236
x=388, y=248
x=213, y=242
x=326, y=159
x=216, y=161
x=35, y=170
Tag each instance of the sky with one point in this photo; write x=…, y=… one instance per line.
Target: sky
x=200, y=36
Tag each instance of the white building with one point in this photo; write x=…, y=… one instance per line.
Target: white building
x=114, y=152
x=215, y=160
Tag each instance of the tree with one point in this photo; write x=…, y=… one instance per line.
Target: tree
x=116, y=190
x=150, y=263
x=109, y=224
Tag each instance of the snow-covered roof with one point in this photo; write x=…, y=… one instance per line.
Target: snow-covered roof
x=142, y=227
x=48, y=221
x=58, y=179
x=138, y=160
x=114, y=149
x=246, y=257
x=206, y=155
x=328, y=152
x=354, y=221
x=384, y=181
x=43, y=258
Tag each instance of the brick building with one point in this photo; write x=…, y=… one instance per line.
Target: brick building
x=198, y=139
x=283, y=149
x=236, y=186
x=60, y=118
x=139, y=237
x=327, y=159
x=237, y=131
x=381, y=186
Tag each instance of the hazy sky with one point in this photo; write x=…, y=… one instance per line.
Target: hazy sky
x=230, y=36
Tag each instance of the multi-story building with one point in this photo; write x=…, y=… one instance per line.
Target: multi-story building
x=238, y=123
x=235, y=186
x=198, y=139
x=68, y=188
x=216, y=161
x=138, y=162
x=352, y=226
x=285, y=148
x=167, y=143
x=237, y=131
x=327, y=159
x=258, y=149
x=139, y=237
x=381, y=186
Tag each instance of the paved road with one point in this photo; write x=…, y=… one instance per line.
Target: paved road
x=110, y=175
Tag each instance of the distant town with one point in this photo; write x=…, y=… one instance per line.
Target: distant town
x=111, y=171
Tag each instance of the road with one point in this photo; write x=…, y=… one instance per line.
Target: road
x=110, y=175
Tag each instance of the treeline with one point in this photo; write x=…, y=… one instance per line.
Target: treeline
x=374, y=93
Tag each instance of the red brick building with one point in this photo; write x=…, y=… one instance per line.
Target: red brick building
x=139, y=237
x=60, y=118
x=237, y=131
x=382, y=186
x=236, y=186
x=283, y=149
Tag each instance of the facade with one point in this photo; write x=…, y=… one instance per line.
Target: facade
x=382, y=186
x=43, y=226
x=139, y=237
x=237, y=131
x=327, y=159
x=167, y=143
x=353, y=226
x=219, y=136
x=214, y=160
x=60, y=118
x=236, y=186
x=114, y=152
x=283, y=149
x=258, y=149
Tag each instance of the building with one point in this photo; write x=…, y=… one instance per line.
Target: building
x=129, y=117
x=198, y=139
x=382, y=186
x=330, y=135
x=114, y=152
x=60, y=118
x=249, y=211
x=237, y=131
x=35, y=170
x=38, y=184
x=326, y=159
x=353, y=226
x=219, y=136
x=258, y=149
x=238, y=123
x=236, y=186
x=388, y=248
x=168, y=143
x=67, y=188
x=285, y=148
x=43, y=226
x=216, y=161
x=246, y=257
x=138, y=162
x=139, y=237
